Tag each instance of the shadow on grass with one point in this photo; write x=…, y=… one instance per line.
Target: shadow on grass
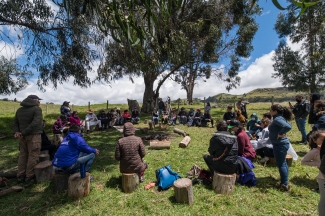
x=304, y=182
x=264, y=183
x=114, y=182
x=301, y=154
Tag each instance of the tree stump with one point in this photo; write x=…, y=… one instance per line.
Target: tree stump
x=223, y=183
x=288, y=159
x=10, y=190
x=44, y=152
x=78, y=187
x=184, y=143
x=162, y=127
x=60, y=182
x=156, y=144
x=146, y=121
x=144, y=130
x=43, y=171
x=130, y=182
x=181, y=132
x=183, y=191
x=151, y=125
x=44, y=157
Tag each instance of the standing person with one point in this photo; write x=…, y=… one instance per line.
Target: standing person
x=277, y=133
x=161, y=106
x=229, y=115
x=28, y=127
x=130, y=151
x=46, y=143
x=242, y=107
x=312, y=98
x=301, y=111
x=207, y=107
x=65, y=109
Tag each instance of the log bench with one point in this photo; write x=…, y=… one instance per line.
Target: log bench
x=223, y=183
x=130, y=182
x=77, y=186
x=157, y=145
x=43, y=157
x=183, y=191
x=185, y=141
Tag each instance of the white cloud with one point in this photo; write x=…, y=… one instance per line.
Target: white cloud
x=266, y=13
x=10, y=51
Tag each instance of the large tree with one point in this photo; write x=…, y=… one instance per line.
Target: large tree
x=304, y=69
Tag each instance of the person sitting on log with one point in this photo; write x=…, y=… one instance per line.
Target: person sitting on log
x=229, y=115
x=155, y=116
x=245, y=148
x=65, y=109
x=182, y=116
x=253, y=126
x=130, y=151
x=197, y=117
x=207, y=118
x=91, y=120
x=73, y=152
x=173, y=117
x=111, y=118
x=118, y=116
x=102, y=116
x=223, y=151
x=74, y=119
x=190, y=117
x=264, y=145
x=126, y=116
x=60, y=124
x=46, y=143
x=165, y=117
x=135, y=116
x=240, y=117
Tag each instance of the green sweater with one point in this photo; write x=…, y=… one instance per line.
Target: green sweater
x=28, y=118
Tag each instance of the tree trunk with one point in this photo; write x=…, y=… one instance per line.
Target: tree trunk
x=148, y=95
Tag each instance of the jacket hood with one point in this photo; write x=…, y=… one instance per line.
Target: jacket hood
x=72, y=135
x=128, y=129
x=314, y=97
x=28, y=102
x=255, y=115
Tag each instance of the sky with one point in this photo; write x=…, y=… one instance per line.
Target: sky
x=255, y=73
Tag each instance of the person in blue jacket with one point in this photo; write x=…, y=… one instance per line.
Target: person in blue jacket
x=73, y=152
x=253, y=125
x=277, y=134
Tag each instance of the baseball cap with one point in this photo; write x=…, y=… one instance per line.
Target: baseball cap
x=90, y=111
x=198, y=109
x=34, y=97
x=233, y=123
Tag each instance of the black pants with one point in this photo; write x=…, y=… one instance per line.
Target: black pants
x=265, y=152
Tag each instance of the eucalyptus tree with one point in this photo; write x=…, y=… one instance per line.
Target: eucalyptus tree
x=303, y=69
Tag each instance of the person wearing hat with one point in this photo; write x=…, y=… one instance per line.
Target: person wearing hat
x=197, y=117
x=301, y=111
x=91, y=120
x=135, y=116
x=182, y=116
x=73, y=152
x=28, y=127
x=65, y=109
x=245, y=148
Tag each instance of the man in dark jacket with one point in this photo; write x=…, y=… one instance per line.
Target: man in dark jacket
x=135, y=116
x=161, y=107
x=197, y=117
x=182, y=116
x=229, y=115
x=313, y=97
x=301, y=111
x=73, y=152
x=130, y=151
x=28, y=127
x=223, y=151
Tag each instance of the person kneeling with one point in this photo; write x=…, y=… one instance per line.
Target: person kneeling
x=130, y=151
x=73, y=152
x=223, y=151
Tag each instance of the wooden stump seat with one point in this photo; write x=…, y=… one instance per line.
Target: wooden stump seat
x=60, y=182
x=130, y=182
x=44, y=157
x=224, y=183
x=43, y=171
x=183, y=191
x=78, y=187
x=288, y=159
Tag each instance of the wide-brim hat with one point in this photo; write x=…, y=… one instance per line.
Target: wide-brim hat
x=34, y=97
x=90, y=111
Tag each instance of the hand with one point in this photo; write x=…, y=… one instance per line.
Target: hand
x=97, y=151
x=257, y=125
x=18, y=135
x=281, y=136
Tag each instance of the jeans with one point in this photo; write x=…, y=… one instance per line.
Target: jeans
x=135, y=120
x=155, y=119
x=84, y=158
x=301, y=124
x=182, y=120
x=280, y=153
x=160, y=111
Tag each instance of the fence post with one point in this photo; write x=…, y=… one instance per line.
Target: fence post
x=71, y=108
x=204, y=102
x=89, y=105
x=107, y=105
x=47, y=109
x=272, y=100
x=178, y=103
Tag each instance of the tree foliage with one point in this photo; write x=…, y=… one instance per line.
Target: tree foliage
x=302, y=70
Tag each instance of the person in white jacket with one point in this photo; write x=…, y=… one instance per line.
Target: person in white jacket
x=264, y=145
x=92, y=120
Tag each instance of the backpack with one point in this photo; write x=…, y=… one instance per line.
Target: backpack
x=166, y=177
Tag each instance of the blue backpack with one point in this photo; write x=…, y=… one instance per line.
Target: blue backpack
x=166, y=177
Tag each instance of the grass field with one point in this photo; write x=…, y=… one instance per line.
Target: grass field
x=106, y=197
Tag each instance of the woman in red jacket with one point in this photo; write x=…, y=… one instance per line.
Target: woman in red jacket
x=245, y=148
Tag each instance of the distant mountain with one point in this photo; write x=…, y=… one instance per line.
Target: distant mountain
x=279, y=94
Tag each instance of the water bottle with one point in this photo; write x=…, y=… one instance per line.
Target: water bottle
x=82, y=171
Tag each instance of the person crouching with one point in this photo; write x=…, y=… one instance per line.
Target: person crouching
x=130, y=151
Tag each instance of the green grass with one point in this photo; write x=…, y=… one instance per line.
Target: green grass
x=106, y=197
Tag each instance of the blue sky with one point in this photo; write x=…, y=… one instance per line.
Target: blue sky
x=255, y=73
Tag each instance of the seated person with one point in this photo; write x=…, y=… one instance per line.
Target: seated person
x=74, y=119
x=65, y=109
x=264, y=145
x=165, y=117
x=223, y=151
x=111, y=117
x=229, y=115
x=173, y=117
x=135, y=116
x=267, y=115
x=245, y=148
x=182, y=116
x=46, y=143
x=73, y=152
x=59, y=125
x=91, y=120
x=155, y=116
x=240, y=117
x=207, y=118
x=126, y=116
x=197, y=117
x=190, y=117
x=130, y=151
x=102, y=116
x=118, y=116
x=253, y=126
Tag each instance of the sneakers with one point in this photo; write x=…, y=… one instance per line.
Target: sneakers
x=141, y=179
x=21, y=179
x=303, y=142
x=283, y=187
x=194, y=171
x=29, y=179
x=264, y=160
